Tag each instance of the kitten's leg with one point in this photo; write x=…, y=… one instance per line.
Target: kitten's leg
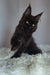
x=20, y=51
x=17, y=54
x=22, y=48
x=33, y=49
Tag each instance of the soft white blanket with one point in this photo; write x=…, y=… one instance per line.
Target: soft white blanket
x=26, y=64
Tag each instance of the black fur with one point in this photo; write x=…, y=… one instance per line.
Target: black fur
x=22, y=37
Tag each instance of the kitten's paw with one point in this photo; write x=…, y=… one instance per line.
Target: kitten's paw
x=37, y=52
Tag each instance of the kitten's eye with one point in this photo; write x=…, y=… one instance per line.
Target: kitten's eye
x=27, y=22
x=33, y=25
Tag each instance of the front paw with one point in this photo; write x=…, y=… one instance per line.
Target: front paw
x=38, y=51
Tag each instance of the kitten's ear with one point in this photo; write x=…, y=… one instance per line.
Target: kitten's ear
x=27, y=11
x=37, y=17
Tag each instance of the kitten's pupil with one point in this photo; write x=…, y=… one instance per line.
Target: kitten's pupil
x=27, y=22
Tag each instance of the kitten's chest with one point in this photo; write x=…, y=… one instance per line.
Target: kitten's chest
x=22, y=35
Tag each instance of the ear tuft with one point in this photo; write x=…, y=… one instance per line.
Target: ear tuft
x=37, y=17
x=27, y=11
x=29, y=6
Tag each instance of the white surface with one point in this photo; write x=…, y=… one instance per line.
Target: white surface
x=5, y=53
x=26, y=64
x=10, y=13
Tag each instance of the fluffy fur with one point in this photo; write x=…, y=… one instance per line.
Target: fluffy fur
x=26, y=64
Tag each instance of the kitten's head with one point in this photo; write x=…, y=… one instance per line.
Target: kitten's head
x=28, y=21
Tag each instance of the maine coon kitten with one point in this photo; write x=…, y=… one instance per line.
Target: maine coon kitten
x=22, y=38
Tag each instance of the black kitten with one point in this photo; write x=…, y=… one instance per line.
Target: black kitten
x=22, y=38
